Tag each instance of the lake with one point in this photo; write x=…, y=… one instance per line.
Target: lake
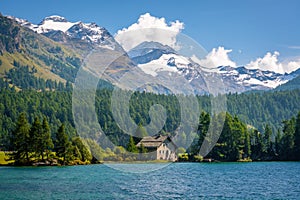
x=257, y=180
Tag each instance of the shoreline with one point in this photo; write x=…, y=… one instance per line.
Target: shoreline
x=5, y=163
x=144, y=162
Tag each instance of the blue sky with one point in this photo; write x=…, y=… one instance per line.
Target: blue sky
x=249, y=28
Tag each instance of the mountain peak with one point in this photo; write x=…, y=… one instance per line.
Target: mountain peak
x=60, y=29
x=149, y=50
x=53, y=23
x=55, y=18
x=153, y=45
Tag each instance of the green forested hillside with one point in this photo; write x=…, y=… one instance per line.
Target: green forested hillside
x=259, y=109
x=21, y=47
x=268, y=109
x=291, y=85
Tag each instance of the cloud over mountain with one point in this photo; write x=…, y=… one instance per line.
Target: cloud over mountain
x=217, y=57
x=149, y=28
x=270, y=62
x=154, y=29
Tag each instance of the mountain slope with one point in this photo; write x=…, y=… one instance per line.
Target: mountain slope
x=82, y=37
x=294, y=83
x=21, y=47
x=154, y=59
x=84, y=41
x=54, y=57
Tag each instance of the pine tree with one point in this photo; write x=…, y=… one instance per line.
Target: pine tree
x=297, y=138
x=247, y=145
x=257, y=146
x=288, y=139
x=36, y=138
x=76, y=153
x=267, y=140
x=143, y=149
x=239, y=137
x=140, y=131
x=202, y=128
x=131, y=146
x=62, y=145
x=230, y=135
x=142, y=152
x=20, y=141
x=84, y=152
x=277, y=143
x=46, y=142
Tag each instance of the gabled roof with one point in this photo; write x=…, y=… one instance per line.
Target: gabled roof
x=153, y=142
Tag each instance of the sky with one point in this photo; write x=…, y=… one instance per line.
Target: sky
x=255, y=33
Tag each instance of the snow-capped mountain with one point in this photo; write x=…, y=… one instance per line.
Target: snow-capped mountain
x=148, y=51
x=61, y=30
x=253, y=78
x=53, y=23
x=154, y=58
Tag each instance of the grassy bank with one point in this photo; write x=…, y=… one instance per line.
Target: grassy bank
x=3, y=159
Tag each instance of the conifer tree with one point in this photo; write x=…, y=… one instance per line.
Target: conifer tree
x=131, y=146
x=20, y=141
x=141, y=131
x=297, y=138
x=46, y=142
x=36, y=138
x=267, y=139
x=260, y=144
x=247, y=145
x=288, y=139
x=277, y=143
x=203, y=127
x=63, y=145
x=143, y=148
x=84, y=152
x=204, y=121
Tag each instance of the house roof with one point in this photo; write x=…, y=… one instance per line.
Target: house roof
x=153, y=142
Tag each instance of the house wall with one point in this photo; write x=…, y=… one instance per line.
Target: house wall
x=166, y=151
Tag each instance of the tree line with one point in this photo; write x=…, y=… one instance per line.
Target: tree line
x=23, y=77
x=32, y=143
x=264, y=111
x=238, y=142
x=256, y=109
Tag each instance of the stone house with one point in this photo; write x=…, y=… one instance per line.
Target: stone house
x=159, y=147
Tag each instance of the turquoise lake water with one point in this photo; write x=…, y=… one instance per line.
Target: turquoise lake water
x=257, y=180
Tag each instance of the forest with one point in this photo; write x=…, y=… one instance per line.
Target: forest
x=33, y=145
x=257, y=126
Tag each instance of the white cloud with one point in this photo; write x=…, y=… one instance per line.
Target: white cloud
x=217, y=57
x=292, y=66
x=220, y=57
x=270, y=62
x=149, y=28
x=294, y=47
